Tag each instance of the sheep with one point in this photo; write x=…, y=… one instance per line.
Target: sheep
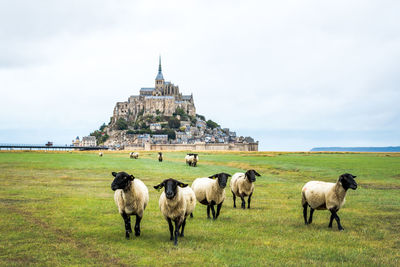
x=211, y=192
x=192, y=159
x=321, y=195
x=133, y=155
x=242, y=184
x=160, y=157
x=176, y=203
x=100, y=154
x=131, y=196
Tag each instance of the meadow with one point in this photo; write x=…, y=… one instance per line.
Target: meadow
x=57, y=209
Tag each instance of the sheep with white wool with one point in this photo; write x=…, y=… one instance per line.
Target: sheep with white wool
x=100, y=154
x=242, y=185
x=176, y=203
x=133, y=155
x=192, y=159
x=321, y=196
x=131, y=196
x=210, y=192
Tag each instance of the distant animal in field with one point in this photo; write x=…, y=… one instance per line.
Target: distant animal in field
x=331, y=196
x=192, y=159
x=133, y=155
x=100, y=154
x=242, y=185
x=131, y=196
x=210, y=191
x=176, y=203
x=160, y=157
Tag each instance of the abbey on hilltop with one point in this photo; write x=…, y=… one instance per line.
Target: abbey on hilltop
x=164, y=98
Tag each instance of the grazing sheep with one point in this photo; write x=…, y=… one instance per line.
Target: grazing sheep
x=100, y=154
x=192, y=159
x=242, y=185
x=131, y=196
x=321, y=195
x=133, y=155
x=211, y=192
x=176, y=203
x=160, y=158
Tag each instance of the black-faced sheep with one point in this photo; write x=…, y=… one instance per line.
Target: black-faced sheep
x=211, y=192
x=192, y=159
x=321, y=196
x=160, y=157
x=133, y=155
x=176, y=203
x=131, y=196
x=242, y=185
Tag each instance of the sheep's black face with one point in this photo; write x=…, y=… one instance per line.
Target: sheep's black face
x=222, y=178
x=171, y=187
x=121, y=180
x=251, y=175
x=348, y=181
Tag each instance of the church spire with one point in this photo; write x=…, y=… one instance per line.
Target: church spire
x=159, y=75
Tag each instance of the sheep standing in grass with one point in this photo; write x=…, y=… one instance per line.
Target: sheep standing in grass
x=211, y=192
x=160, y=157
x=176, y=203
x=192, y=159
x=131, y=196
x=134, y=155
x=321, y=195
x=100, y=154
x=242, y=185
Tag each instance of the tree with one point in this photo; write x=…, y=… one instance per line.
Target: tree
x=201, y=117
x=121, y=124
x=102, y=127
x=174, y=123
x=212, y=124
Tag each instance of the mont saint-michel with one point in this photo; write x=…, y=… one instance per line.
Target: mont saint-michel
x=163, y=118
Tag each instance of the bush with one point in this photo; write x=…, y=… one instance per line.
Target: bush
x=201, y=117
x=174, y=123
x=212, y=124
x=121, y=124
x=102, y=127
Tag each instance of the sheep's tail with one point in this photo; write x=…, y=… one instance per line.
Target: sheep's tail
x=303, y=198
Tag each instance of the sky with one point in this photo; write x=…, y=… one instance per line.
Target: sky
x=292, y=74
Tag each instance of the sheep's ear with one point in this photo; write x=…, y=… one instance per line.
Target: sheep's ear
x=131, y=177
x=354, y=176
x=256, y=173
x=114, y=174
x=213, y=176
x=182, y=184
x=159, y=186
x=228, y=175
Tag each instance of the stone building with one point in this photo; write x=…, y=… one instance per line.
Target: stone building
x=164, y=98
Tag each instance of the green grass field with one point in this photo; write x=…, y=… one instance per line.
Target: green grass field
x=57, y=208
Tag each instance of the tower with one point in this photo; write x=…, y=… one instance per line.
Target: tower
x=159, y=80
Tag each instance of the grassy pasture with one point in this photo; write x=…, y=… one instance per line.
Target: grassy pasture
x=57, y=208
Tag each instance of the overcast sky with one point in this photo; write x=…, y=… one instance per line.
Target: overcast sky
x=292, y=74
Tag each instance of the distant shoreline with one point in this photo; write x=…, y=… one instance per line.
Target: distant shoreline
x=357, y=149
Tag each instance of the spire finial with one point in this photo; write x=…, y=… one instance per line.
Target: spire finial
x=159, y=64
x=159, y=75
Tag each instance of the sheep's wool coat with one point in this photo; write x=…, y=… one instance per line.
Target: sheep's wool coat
x=209, y=190
x=177, y=208
x=322, y=195
x=240, y=185
x=190, y=159
x=133, y=200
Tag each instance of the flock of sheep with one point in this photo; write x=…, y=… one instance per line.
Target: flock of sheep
x=178, y=200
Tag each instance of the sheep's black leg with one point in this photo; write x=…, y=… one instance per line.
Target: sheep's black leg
x=183, y=227
x=208, y=212
x=191, y=215
x=330, y=221
x=243, y=202
x=177, y=226
x=234, y=199
x=248, y=201
x=126, y=221
x=305, y=205
x=218, y=209
x=137, y=225
x=311, y=214
x=337, y=219
x=129, y=224
x=171, y=229
x=213, y=212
